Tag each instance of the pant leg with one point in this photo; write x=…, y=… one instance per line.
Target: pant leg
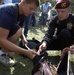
x=63, y=40
x=41, y=19
x=33, y=20
x=45, y=18
x=62, y=69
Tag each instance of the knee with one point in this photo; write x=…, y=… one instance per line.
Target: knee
x=19, y=33
x=16, y=36
x=65, y=33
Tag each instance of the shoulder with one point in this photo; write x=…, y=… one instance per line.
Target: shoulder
x=6, y=5
x=54, y=20
x=7, y=9
x=43, y=5
x=7, y=14
x=49, y=4
x=71, y=17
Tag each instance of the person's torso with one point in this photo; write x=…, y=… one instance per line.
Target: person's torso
x=66, y=24
x=45, y=7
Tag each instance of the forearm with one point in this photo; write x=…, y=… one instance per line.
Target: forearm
x=22, y=36
x=24, y=40
x=7, y=45
x=49, y=33
x=46, y=39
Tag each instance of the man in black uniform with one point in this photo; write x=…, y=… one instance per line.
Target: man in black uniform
x=64, y=23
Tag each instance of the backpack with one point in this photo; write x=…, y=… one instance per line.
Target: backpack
x=32, y=43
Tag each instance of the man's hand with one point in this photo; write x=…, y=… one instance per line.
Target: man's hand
x=24, y=41
x=64, y=51
x=42, y=47
x=23, y=38
x=31, y=54
x=71, y=49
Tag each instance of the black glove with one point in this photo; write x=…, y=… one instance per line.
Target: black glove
x=39, y=59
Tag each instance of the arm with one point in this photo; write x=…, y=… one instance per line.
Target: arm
x=48, y=36
x=51, y=29
x=6, y=44
x=23, y=38
x=65, y=50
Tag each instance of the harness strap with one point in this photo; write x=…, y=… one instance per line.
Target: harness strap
x=15, y=6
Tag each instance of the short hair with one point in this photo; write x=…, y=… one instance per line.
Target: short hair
x=37, y=2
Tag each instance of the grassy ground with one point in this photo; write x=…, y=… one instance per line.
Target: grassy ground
x=24, y=66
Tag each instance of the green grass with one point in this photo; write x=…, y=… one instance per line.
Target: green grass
x=24, y=66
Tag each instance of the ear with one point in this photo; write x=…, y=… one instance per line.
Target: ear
x=69, y=10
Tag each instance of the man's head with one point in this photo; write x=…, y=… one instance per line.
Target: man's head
x=27, y=7
x=46, y=1
x=63, y=9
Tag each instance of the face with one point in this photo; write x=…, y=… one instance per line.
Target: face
x=28, y=8
x=63, y=13
x=1, y=2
